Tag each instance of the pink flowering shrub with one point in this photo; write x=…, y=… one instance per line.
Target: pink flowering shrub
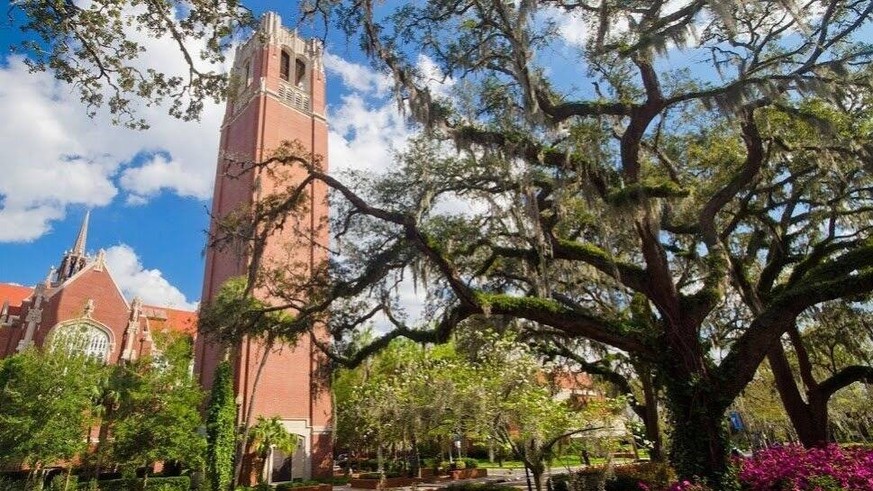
x=794, y=468
x=687, y=486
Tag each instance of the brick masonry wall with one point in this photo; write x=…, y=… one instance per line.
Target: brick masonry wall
x=288, y=387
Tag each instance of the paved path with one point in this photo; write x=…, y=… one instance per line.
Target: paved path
x=514, y=477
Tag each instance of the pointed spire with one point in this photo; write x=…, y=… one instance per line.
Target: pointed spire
x=74, y=260
x=79, y=246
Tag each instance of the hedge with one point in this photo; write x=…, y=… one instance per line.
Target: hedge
x=295, y=484
x=619, y=478
x=177, y=483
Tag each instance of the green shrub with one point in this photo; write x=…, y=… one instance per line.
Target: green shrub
x=369, y=465
x=584, y=480
x=623, y=477
x=60, y=481
x=653, y=474
x=10, y=485
x=460, y=465
x=471, y=463
x=295, y=484
x=178, y=483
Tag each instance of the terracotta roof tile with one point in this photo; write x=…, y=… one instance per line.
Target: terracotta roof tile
x=15, y=294
x=177, y=320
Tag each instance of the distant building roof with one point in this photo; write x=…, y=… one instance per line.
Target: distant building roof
x=161, y=318
x=14, y=294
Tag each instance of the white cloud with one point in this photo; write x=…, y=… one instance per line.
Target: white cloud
x=358, y=78
x=433, y=77
x=364, y=136
x=19, y=224
x=56, y=156
x=147, y=284
x=159, y=174
x=366, y=129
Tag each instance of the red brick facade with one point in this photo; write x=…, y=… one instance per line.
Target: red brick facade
x=280, y=97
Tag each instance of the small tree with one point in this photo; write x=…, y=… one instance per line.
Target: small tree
x=46, y=407
x=157, y=416
x=220, y=429
x=525, y=415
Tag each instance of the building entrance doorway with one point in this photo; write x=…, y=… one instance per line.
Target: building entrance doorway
x=286, y=467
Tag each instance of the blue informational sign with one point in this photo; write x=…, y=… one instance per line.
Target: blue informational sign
x=736, y=420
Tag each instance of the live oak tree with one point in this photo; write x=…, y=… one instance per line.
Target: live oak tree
x=659, y=184
x=832, y=352
x=100, y=49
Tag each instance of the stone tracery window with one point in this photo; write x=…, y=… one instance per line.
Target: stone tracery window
x=81, y=338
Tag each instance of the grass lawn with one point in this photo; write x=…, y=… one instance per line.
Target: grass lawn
x=563, y=461
x=568, y=460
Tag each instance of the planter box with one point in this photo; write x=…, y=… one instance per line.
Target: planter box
x=390, y=482
x=468, y=473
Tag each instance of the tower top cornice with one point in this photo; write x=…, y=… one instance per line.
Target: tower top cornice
x=271, y=31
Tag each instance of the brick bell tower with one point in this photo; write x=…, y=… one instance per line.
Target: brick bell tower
x=280, y=97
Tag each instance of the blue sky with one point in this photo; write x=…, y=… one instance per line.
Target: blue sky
x=148, y=191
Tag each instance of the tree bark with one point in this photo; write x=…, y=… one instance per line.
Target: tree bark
x=699, y=446
x=241, y=446
x=537, y=473
x=808, y=418
x=652, y=425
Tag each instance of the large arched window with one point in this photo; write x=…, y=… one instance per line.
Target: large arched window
x=81, y=337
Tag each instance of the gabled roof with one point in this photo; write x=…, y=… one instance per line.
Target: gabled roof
x=97, y=265
x=15, y=294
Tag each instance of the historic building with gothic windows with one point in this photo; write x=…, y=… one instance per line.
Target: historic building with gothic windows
x=80, y=308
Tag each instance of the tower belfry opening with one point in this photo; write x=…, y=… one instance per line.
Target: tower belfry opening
x=283, y=100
